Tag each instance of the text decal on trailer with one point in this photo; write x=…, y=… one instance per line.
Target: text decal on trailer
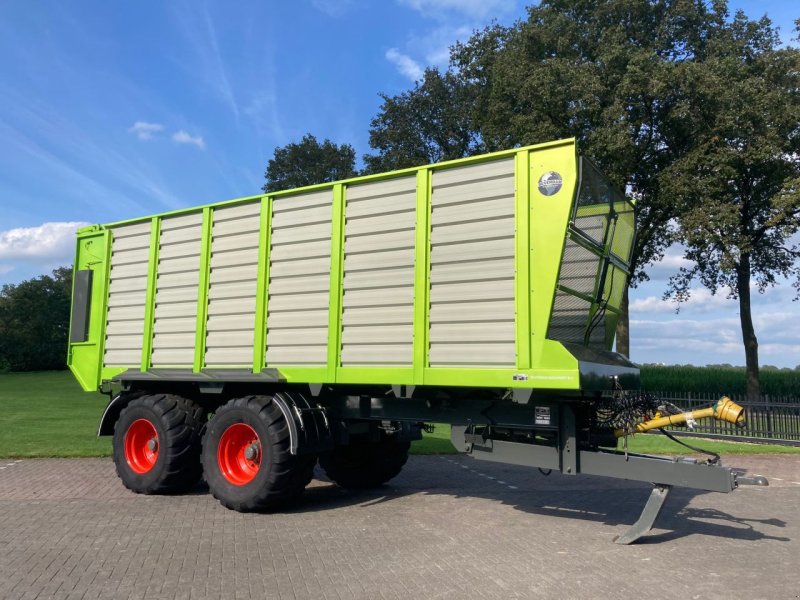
x=542, y=415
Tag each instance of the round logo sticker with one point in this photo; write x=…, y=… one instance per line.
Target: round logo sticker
x=550, y=183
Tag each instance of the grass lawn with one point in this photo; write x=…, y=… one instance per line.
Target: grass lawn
x=48, y=415
x=438, y=442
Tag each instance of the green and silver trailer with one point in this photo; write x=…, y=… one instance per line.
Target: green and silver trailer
x=247, y=340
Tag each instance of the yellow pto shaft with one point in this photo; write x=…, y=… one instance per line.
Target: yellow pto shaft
x=725, y=410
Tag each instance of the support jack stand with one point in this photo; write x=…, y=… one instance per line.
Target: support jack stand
x=649, y=515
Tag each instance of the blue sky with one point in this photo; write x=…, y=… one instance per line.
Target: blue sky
x=114, y=110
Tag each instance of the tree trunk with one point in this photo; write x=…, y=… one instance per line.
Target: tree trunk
x=748, y=332
x=623, y=327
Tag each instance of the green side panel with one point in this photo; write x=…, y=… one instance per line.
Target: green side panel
x=336, y=286
x=422, y=274
x=305, y=374
x=150, y=301
x=84, y=359
x=376, y=375
x=262, y=285
x=202, y=292
x=549, y=218
x=624, y=231
x=522, y=258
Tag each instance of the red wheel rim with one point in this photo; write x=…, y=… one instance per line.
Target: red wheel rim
x=239, y=454
x=141, y=446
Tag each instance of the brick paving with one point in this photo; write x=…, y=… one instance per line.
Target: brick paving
x=447, y=527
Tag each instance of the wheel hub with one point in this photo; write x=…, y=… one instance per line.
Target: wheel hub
x=239, y=454
x=141, y=446
x=251, y=452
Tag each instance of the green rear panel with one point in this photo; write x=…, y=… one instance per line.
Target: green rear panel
x=467, y=273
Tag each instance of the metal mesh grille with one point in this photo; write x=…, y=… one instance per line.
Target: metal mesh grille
x=581, y=283
x=594, y=226
x=579, y=268
x=569, y=318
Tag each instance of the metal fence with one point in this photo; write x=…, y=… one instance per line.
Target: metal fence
x=773, y=419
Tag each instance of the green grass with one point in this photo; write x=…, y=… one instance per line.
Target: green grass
x=48, y=415
x=652, y=443
x=437, y=442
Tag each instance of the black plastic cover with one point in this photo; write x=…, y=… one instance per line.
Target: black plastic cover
x=81, y=306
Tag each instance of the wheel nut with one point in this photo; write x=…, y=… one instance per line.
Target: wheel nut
x=251, y=452
x=152, y=444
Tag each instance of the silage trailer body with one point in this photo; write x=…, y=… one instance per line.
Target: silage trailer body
x=332, y=321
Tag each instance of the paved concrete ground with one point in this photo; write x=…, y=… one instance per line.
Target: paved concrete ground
x=448, y=527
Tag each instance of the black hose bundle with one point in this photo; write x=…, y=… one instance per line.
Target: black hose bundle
x=625, y=409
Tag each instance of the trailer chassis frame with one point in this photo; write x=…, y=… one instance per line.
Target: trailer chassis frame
x=477, y=439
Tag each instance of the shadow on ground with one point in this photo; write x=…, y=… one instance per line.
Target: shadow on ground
x=597, y=499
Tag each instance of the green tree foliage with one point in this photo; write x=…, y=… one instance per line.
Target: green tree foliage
x=739, y=186
x=427, y=124
x=308, y=162
x=34, y=322
x=604, y=72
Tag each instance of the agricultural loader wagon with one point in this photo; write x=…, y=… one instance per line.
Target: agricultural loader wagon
x=246, y=341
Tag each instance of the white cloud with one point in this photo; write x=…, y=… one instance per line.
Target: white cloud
x=333, y=8
x=435, y=44
x=715, y=340
x=405, y=64
x=669, y=265
x=708, y=330
x=265, y=114
x=144, y=130
x=183, y=137
x=700, y=301
x=197, y=26
x=476, y=9
x=46, y=245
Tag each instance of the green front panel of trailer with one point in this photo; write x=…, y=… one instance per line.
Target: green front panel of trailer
x=84, y=359
x=554, y=367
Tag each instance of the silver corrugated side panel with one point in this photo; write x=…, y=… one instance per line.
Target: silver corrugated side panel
x=232, y=281
x=299, y=280
x=178, y=275
x=472, y=266
x=378, y=295
x=130, y=252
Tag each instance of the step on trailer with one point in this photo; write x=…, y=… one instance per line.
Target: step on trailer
x=247, y=340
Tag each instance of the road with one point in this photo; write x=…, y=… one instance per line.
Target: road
x=447, y=527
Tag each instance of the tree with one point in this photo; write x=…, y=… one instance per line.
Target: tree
x=603, y=72
x=740, y=185
x=308, y=162
x=427, y=124
x=34, y=322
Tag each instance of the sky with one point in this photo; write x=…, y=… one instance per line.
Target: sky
x=113, y=110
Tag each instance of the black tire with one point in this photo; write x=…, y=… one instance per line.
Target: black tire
x=178, y=424
x=279, y=478
x=365, y=464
